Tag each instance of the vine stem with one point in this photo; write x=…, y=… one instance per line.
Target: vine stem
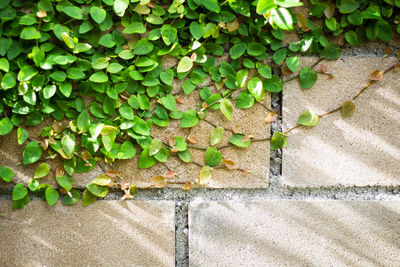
x=354, y=98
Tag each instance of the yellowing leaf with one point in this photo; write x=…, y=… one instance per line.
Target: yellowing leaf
x=348, y=108
x=308, y=118
x=185, y=64
x=187, y=186
x=158, y=181
x=271, y=117
x=205, y=175
x=376, y=75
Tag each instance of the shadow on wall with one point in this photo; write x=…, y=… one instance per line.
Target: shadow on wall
x=126, y=233
x=361, y=150
x=295, y=233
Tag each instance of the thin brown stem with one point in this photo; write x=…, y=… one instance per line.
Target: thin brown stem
x=291, y=129
x=213, y=124
x=330, y=112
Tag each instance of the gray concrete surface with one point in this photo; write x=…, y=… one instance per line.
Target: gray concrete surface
x=107, y=233
x=294, y=233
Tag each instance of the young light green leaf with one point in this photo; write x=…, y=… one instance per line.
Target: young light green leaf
x=19, y=191
x=155, y=146
x=189, y=119
x=237, y=140
x=83, y=121
x=256, y=89
x=205, y=175
x=6, y=174
x=42, y=171
x=185, y=64
x=98, y=14
x=6, y=126
x=68, y=145
x=308, y=118
x=217, y=134
x=226, y=108
x=145, y=160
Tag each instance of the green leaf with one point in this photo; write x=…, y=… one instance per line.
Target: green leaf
x=68, y=40
x=98, y=14
x=331, y=51
x=167, y=76
x=265, y=71
x=146, y=161
x=255, y=49
x=237, y=140
x=308, y=77
x=196, y=30
x=185, y=156
x=26, y=73
x=143, y=47
x=30, y=33
x=127, y=151
x=348, y=6
x=68, y=144
x=308, y=118
x=6, y=174
x=65, y=182
x=107, y=40
x=49, y=91
x=169, y=102
x=22, y=135
x=6, y=126
x=4, y=65
x=348, y=109
x=42, y=171
x=155, y=146
x=217, y=134
x=351, y=37
x=278, y=141
x=99, y=77
x=19, y=191
x=73, y=199
x=282, y=18
x=279, y=56
x=168, y=34
x=83, y=121
x=135, y=27
x=51, y=196
x=226, y=108
x=102, y=180
x=256, y=89
x=263, y=6
x=213, y=157
x=211, y=5
x=73, y=11
x=97, y=190
x=8, y=81
x=244, y=100
x=87, y=198
x=189, y=119
x=241, y=77
x=185, y=64
x=120, y=6
x=293, y=63
x=32, y=153
x=180, y=143
x=237, y=50
x=33, y=185
x=126, y=112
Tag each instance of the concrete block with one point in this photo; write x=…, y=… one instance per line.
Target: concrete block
x=294, y=233
x=361, y=150
x=106, y=233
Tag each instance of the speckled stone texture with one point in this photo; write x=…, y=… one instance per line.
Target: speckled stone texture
x=294, y=233
x=126, y=233
x=358, y=151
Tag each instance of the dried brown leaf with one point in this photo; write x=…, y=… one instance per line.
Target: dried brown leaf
x=348, y=109
x=174, y=149
x=376, y=75
x=232, y=26
x=229, y=164
x=179, y=99
x=388, y=50
x=169, y=174
x=271, y=117
x=187, y=186
x=193, y=57
x=192, y=140
x=204, y=105
x=41, y=14
x=111, y=173
x=59, y=171
x=171, y=141
x=86, y=155
x=329, y=10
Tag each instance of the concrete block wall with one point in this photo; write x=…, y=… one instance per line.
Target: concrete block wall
x=331, y=198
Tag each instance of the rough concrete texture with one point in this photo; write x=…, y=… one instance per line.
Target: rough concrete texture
x=358, y=151
x=130, y=233
x=294, y=233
